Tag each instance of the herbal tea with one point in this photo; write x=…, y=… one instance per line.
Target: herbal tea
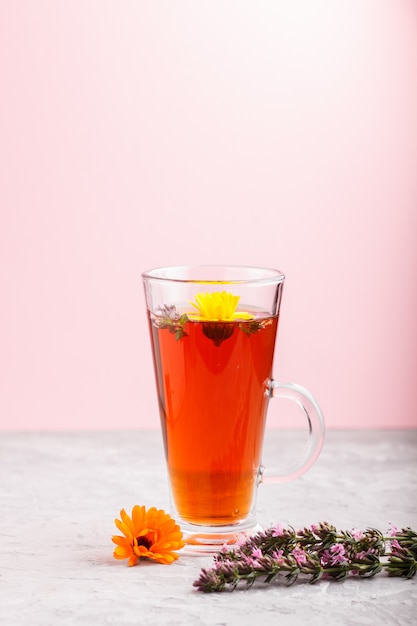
x=213, y=330
x=212, y=382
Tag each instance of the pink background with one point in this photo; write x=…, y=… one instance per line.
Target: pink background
x=138, y=133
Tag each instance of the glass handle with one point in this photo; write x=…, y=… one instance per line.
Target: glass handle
x=316, y=428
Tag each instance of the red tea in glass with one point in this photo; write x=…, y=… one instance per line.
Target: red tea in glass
x=213, y=332
x=213, y=394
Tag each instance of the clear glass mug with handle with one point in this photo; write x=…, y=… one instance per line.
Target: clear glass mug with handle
x=213, y=331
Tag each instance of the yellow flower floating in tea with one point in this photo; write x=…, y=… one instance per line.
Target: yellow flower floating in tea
x=219, y=306
x=148, y=533
x=218, y=313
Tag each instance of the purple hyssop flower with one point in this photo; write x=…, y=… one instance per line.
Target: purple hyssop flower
x=257, y=553
x=393, y=530
x=337, y=552
x=277, y=555
x=278, y=531
x=300, y=556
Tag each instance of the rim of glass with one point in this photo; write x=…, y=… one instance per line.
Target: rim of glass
x=177, y=274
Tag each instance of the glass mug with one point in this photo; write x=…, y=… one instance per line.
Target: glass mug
x=213, y=331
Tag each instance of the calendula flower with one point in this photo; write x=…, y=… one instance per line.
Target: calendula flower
x=151, y=533
x=219, y=306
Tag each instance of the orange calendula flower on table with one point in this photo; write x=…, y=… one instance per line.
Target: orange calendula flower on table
x=151, y=533
x=219, y=306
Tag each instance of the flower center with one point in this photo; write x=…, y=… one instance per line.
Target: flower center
x=144, y=541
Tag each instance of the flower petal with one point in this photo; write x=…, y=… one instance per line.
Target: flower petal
x=217, y=306
x=122, y=552
x=133, y=560
x=120, y=541
x=124, y=529
x=127, y=521
x=166, y=558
